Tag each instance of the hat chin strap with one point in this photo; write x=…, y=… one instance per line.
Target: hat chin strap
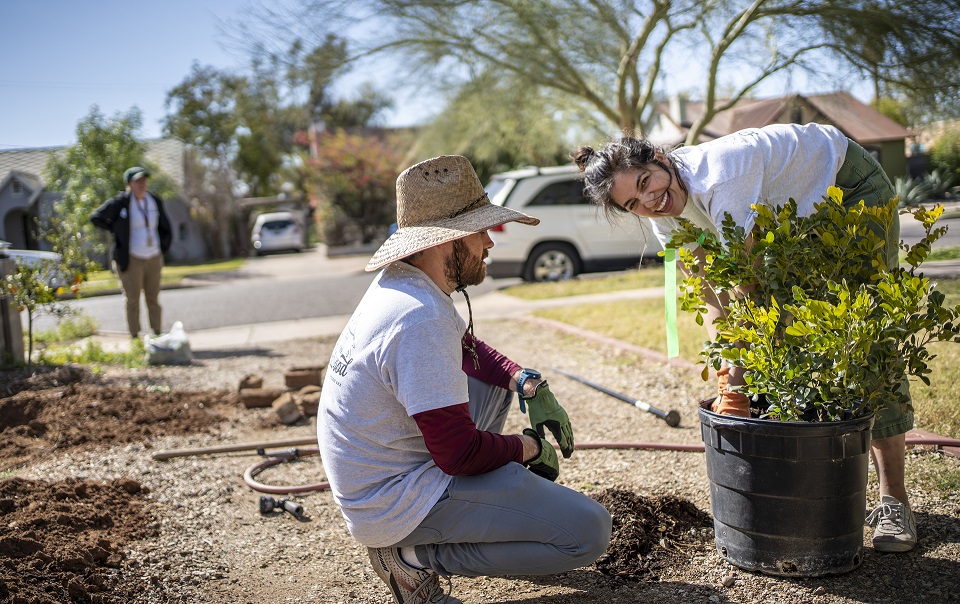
x=471, y=346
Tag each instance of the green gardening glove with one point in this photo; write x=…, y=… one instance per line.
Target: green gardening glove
x=546, y=411
x=546, y=464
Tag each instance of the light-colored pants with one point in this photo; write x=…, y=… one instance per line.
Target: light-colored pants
x=509, y=521
x=142, y=276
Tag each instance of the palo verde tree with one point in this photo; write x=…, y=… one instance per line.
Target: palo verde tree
x=608, y=56
x=499, y=125
x=910, y=51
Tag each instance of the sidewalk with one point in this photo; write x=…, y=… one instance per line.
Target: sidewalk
x=491, y=305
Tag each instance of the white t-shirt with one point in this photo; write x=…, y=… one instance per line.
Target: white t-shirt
x=144, y=225
x=400, y=354
x=766, y=165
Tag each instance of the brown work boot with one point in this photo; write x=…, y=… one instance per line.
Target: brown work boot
x=408, y=585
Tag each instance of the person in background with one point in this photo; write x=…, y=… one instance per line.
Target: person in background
x=768, y=165
x=413, y=407
x=141, y=234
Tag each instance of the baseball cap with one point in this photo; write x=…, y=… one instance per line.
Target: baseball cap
x=135, y=173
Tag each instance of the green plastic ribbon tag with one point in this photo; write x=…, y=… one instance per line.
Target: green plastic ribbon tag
x=670, y=300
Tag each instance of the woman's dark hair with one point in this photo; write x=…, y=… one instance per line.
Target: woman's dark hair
x=600, y=167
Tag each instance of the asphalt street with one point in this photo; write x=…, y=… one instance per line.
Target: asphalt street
x=268, y=289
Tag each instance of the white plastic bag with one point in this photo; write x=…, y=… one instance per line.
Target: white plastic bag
x=168, y=348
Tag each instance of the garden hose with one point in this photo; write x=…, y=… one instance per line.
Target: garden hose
x=249, y=476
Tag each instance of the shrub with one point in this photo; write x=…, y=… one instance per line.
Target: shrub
x=354, y=176
x=828, y=337
x=945, y=152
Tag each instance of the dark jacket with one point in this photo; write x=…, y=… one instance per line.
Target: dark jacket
x=112, y=217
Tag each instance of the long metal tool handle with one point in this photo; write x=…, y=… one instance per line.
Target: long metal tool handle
x=671, y=417
x=171, y=453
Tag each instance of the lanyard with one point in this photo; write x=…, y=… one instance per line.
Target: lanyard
x=142, y=205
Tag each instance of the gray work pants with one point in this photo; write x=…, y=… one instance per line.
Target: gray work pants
x=509, y=521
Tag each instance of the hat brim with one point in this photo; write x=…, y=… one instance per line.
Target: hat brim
x=412, y=239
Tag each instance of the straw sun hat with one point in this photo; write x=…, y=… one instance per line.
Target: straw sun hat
x=440, y=200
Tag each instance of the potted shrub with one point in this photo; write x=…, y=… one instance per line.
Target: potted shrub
x=824, y=330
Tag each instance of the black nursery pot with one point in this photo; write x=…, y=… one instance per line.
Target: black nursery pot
x=788, y=498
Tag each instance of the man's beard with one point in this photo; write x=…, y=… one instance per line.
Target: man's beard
x=471, y=271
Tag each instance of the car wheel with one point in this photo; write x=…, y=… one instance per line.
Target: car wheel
x=552, y=262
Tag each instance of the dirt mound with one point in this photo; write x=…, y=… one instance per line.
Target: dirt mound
x=69, y=408
x=61, y=541
x=38, y=378
x=649, y=534
x=65, y=541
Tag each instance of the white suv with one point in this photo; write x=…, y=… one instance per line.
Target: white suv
x=573, y=235
x=276, y=231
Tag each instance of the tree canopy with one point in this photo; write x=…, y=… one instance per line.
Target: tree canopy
x=611, y=57
x=500, y=125
x=89, y=173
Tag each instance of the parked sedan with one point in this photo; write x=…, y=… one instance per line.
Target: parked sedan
x=36, y=258
x=573, y=236
x=277, y=231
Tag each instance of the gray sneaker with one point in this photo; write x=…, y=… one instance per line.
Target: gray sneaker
x=408, y=585
x=896, y=528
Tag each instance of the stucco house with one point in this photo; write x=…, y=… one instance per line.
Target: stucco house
x=24, y=199
x=860, y=122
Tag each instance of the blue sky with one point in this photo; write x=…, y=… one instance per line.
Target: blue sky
x=60, y=57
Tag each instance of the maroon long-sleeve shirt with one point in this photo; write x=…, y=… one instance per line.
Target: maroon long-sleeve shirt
x=452, y=437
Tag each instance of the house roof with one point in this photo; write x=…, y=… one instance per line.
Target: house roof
x=28, y=180
x=27, y=161
x=164, y=153
x=857, y=120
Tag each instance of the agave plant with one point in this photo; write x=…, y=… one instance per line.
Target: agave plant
x=825, y=329
x=939, y=184
x=911, y=191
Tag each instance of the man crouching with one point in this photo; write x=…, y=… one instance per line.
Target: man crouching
x=413, y=406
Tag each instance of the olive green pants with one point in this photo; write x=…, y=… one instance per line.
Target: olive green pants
x=142, y=276
x=861, y=178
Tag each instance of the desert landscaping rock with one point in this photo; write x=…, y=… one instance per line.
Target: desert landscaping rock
x=287, y=410
x=259, y=397
x=193, y=531
x=308, y=398
x=299, y=377
x=251, y=381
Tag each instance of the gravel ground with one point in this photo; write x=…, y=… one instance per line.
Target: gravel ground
x=214, y=546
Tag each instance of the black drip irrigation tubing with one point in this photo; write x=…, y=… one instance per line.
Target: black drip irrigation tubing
x=249, y=476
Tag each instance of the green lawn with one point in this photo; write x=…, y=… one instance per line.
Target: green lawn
x=943, y=253
x=641, y=323
x=590, y=284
